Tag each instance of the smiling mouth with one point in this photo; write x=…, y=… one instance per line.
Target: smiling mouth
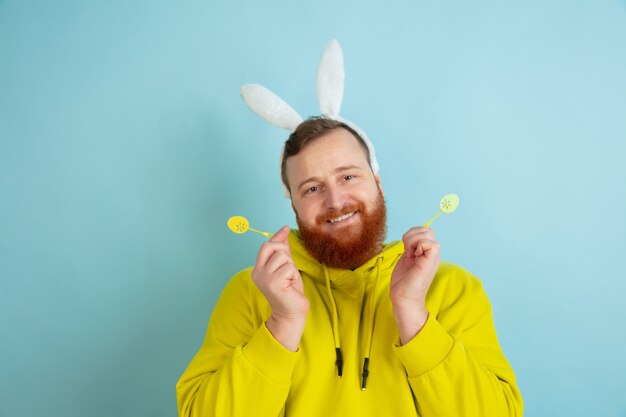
x=341, y=218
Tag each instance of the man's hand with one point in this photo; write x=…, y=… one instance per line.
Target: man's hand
x=411, y=279
x=277, y=277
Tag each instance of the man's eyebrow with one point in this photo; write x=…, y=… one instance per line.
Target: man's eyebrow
x=346, y=167
x=336, y=171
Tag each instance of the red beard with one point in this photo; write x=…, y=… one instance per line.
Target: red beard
x=354, y=247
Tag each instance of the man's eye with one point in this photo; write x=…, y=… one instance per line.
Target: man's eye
x=348, y=177
x=312, y=189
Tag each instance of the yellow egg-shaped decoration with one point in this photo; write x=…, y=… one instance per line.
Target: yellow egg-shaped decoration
x=449, y=203
x=238, y=224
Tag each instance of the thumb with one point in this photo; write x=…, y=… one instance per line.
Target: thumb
x=281, y=236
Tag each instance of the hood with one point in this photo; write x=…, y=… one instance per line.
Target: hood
x=341, y=278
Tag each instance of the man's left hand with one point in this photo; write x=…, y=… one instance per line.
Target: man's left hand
x=411, y=279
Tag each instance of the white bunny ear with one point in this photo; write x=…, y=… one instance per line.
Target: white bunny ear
x=270, y=107
x=330, y=76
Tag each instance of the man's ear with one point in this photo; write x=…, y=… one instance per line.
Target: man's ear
x=379, y=184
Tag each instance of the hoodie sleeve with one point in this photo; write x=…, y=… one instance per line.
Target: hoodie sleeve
x=241, y=369
x=455, y=364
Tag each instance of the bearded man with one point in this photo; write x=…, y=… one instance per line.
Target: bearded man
x=331, y=321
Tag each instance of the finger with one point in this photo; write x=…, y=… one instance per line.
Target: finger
x=285, y=275
x=277, y=260
x=419, y=231
x=433, y=249
x=419, y=250
x=281, y=235
x=428, y=248
x=268, y=249
x=411, y=242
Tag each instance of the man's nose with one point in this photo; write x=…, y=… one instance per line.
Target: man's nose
x=335, y=197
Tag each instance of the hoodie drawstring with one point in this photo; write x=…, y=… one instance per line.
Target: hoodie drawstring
x=370, y=309
x=335, y=324
x=369, y=313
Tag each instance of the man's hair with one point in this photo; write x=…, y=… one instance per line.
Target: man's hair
x=307, y=132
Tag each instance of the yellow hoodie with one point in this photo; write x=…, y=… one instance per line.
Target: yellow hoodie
x=454, y=367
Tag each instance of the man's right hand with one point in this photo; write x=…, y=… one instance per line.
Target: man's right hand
x=277, y=277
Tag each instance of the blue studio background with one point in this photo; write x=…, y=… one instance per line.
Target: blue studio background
x=124, y=147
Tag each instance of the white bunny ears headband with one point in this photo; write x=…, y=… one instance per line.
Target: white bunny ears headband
x=330, y=78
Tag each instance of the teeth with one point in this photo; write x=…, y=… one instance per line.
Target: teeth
x=340, y=218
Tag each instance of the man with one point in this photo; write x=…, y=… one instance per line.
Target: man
x=331, y=321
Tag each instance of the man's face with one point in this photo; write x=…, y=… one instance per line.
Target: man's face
x=337, y=199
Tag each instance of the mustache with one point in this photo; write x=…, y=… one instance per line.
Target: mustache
x=334, y=213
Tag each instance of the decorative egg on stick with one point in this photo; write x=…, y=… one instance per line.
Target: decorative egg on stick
x=240, y=225
x=447, y=205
